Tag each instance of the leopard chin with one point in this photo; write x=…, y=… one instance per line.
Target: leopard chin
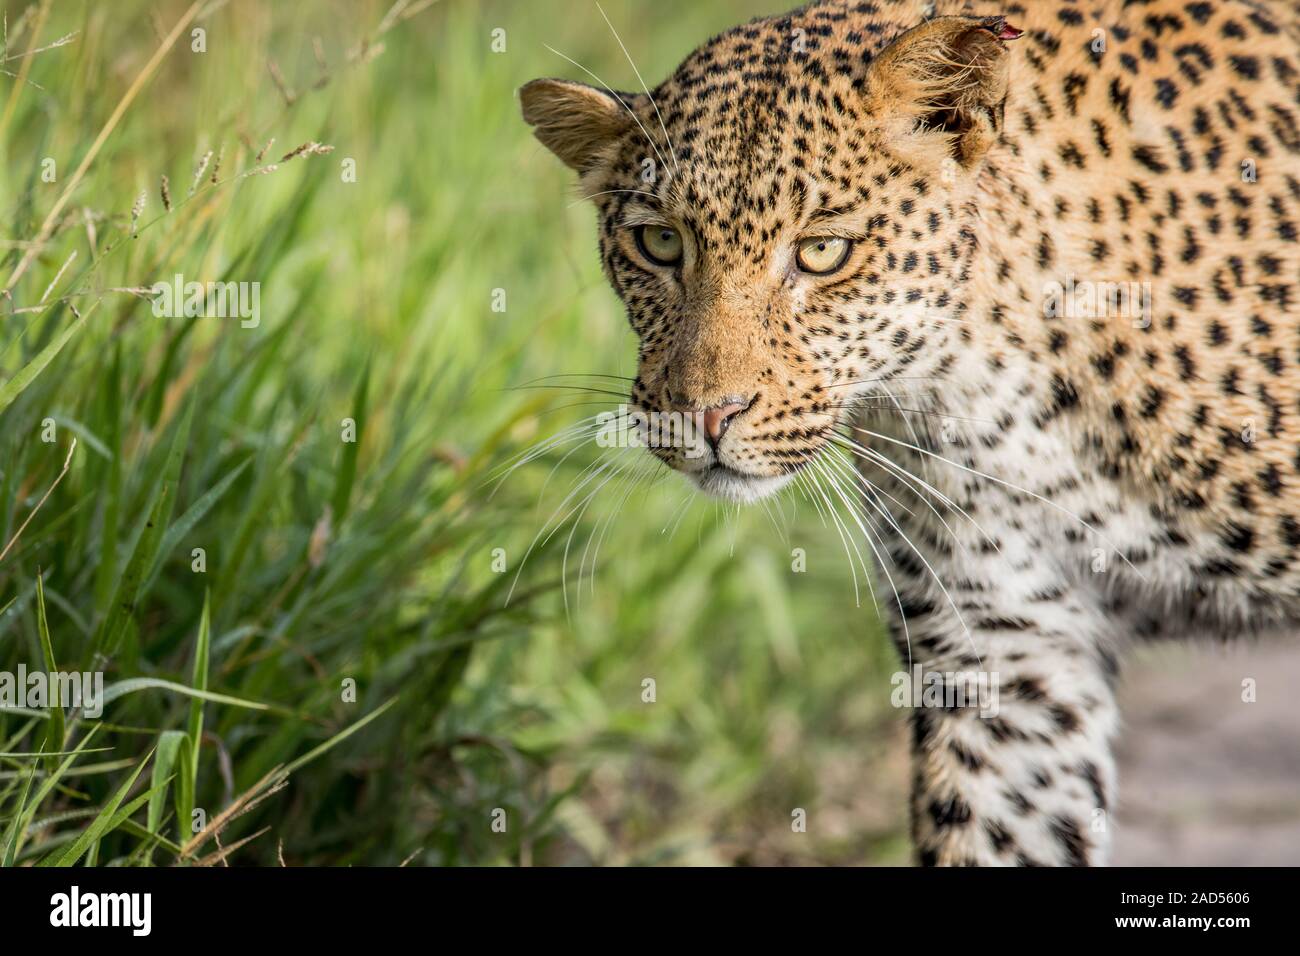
x=719, y=481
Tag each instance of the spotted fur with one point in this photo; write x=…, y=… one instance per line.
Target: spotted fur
x=1091, y=479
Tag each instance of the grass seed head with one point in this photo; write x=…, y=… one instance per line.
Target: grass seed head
x=199, y=171
x=138, y=208
x=307, y=149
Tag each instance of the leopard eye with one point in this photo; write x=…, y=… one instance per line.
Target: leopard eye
x=821, y=255
x=660, y=244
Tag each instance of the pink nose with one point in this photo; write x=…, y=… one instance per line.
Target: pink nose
x=718, y=418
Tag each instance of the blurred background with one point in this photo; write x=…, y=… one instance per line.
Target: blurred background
x=338, y=627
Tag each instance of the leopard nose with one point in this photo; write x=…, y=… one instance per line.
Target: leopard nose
x=717, y=419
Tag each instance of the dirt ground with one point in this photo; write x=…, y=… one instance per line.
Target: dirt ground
x=1205, y=777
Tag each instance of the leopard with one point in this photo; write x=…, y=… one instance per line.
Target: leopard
x=1020, y=283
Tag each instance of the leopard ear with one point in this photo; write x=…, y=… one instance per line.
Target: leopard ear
x=949, y=77
x=576, y=122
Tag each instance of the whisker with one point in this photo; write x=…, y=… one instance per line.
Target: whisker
x=855, y=405
x=1007, y=484
x=902, y=474
x=782, y=533
x=567, y=388
x=884, y=567
x=802, y=482
x=778, y=502
x=588, y=427
x=568, y=542
x=892, y=467
x=632, y=482
x=668, y=139
x=610, y=192
x=868, y=483
x=939, y=582
x=564, y=563
x=532, y=453
x=592, y=425
x=543, y=378
x=829, y=514
x=630, y=111
x=886, y=378
x=591, y=474
x=568, y=405
x=557, y=466
x=846, y=537
x=679, y=512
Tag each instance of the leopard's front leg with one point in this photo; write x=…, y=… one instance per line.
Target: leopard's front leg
x=1021, y=775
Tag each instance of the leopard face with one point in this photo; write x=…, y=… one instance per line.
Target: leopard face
x=784, y=246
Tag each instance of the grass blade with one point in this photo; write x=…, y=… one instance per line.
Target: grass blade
x=106, y=573
x=170, y=745
x=107, y=820
x=22, y=817
x=193, y=515
x=16, y=824
x=347, y=472
x=27, y=374
x=189, y=773
x=54, y=738
x=133, y=684
x=131, y=588
x=338, y=738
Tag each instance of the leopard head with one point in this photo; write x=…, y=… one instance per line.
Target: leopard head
x=786, y=220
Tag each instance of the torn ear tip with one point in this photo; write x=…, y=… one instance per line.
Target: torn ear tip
x=1003, y=30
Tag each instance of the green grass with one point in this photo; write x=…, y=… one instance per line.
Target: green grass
x=330, y=564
